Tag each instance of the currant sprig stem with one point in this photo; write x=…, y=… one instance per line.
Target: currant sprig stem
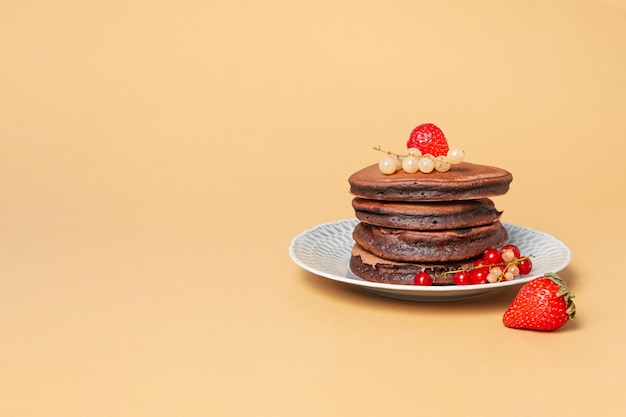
x=472, y=268
x=380, y=149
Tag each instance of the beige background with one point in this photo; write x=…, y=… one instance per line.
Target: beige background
x=157, y=158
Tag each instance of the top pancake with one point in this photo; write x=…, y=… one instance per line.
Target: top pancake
x=465, y=181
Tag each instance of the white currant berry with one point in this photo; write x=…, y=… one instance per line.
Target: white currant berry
x=387, y=165
x=508, y=255
x=414, y=151
x=494, y=274
x=513, y=269
x=508, y=276
x=426, y=165
x=441, y=164
x=410, y=164
x=455, y=155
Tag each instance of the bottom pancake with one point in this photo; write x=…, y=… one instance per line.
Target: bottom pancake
x=370, y=267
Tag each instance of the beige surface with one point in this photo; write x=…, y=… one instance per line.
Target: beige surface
x=156, y=159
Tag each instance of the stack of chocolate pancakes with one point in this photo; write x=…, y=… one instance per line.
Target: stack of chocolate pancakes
x=435, y=222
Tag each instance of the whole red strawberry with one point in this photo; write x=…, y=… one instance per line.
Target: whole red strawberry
x=542, y=304
x=429, y=139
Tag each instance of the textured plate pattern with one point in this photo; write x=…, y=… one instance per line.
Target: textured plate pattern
x=325, y=251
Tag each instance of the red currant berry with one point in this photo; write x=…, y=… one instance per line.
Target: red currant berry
x=423, y=278
x=514, y=248
x=492, y=256
x=462, y=278
x=479, y=275
x=478, y=263
x=525, y=266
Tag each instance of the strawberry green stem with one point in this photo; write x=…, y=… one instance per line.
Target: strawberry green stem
x=563, y=291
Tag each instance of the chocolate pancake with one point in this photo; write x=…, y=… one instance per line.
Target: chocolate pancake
x=426, y=216
x=429, y=246
x=370, y=267
x=465, y=181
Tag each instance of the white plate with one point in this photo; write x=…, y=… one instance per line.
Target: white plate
x=325, y=250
